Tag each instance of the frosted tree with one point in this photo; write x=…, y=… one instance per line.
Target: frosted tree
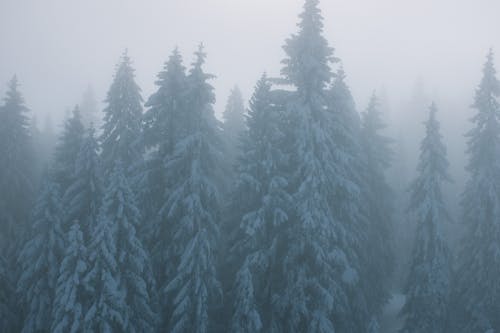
x=162, y=119
x=67, y=148
x=120, y=139
x=234, y=124
x=16, y=170
x=70, y=305
x=40, y=260
x=89, y=108
x=428, y=285
x=107, y=308
x=476, y=290
x=378, y=197
x=84, y=194
x=132, y=263
x=260, y=211
x=192, y=210
x=322, y=260
x=347, y=205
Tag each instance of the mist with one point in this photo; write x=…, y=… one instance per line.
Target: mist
x=409, y=54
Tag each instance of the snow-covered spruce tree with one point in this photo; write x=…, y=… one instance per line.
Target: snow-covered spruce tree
x=16, y=171
x=259, y=211
x=162, y=118
x=377, y=154
x=347, y=202
x=107, y=308
x=428, y=285
x=133, y=263
x=40, y=260
x=89, y=108
x=70, y=301
x=477, y=288
x=84, y=194
x=322, y=260
x=122, y=126
x=234, y=124
x=192, y=211
x=66, y=150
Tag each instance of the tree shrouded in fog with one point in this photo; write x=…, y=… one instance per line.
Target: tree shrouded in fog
x=40, y=259
x=234, y=123
x=428, y=286
x=84, y=194
x=259, y=210
x=66, y=150
x=107, y=309
x=322, y=260
x=478, y=297
x=377, y=154
x=88, y=106
x=16, y=171
x=192, y=208
x=70, y=303
x=121, y=135
x=132, y=261
x=161, y=128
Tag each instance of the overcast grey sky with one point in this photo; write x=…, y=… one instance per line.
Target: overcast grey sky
x=58, y=47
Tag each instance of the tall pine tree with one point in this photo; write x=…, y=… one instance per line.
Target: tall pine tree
x=378, y=196
x=132, y=260
x=478, y=296
x=40, y=260
x=259, y=210
x=192, y=209
x=70, y=302
x=428, y=286
x=107, y=309
x=84, y=194
x=122, y=126
x=322, y=261
x=16, y=171
x=162, y=119
x=234, y=124
x=67, y=148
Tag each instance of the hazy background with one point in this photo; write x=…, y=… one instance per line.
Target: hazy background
x=410, y=51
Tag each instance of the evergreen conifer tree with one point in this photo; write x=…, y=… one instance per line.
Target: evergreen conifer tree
x=477, y=297
x=107, y=309
x=121, y=135
x=323, y=260
x=84, y=194
x=40, y=259
x=428, y=286
x=234, y=124
x=89, y=108
x=16, y=171
x=192, y=209
x=260, y=210
x=133, y=263
x=162, y=119
x=377, y=155
x=66, y=150
x=70, y=301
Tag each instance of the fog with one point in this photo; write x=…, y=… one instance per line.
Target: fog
x=411, y=53
x=58, y=47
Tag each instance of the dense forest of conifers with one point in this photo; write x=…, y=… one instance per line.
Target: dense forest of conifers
x=279, y=219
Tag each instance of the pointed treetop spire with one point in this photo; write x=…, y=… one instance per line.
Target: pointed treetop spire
x=200, y=56
x=307, y=65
